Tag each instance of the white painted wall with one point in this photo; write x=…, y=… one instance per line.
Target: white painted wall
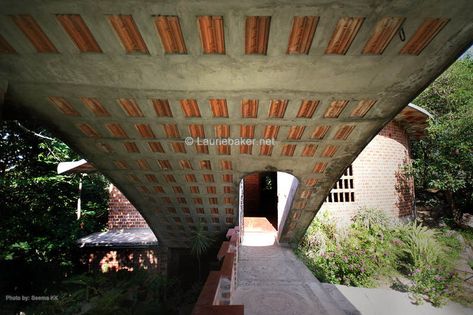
x=287, y=185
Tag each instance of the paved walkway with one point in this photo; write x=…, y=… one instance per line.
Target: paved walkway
x=272, y=281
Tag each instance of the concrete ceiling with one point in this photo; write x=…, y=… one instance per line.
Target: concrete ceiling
x=125, y=82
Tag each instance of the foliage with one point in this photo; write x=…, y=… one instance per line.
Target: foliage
x=373, y=247
x=370, y=218
x=123, y=292
x=38, y=220
x=444, y=158
x=345, y=256
x=200, y=242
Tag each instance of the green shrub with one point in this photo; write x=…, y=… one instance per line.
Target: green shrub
x=372, y=217
x=373, y=247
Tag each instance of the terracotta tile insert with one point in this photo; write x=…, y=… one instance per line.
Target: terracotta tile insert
x=343, y=132
x=277, y=108
x=362, y=108
x=123, y=165
x=257, y=34
x=247, y=131
x=131, y=147
x=382, y=35
x=202, y=148
x=79, y=32
x=288, y=150
x=309, y=150
x=5, y=47
x=142, y=164
x=197, y=131
x=296, y=132
x=156, y=147
x=151, y=178
x=222, y=131
x=320, y=132
x=116, y=130
x=344, y=34
x=190, y=178
x=226, y=165
x=185, y=164
x=169, y=30
x=95, y=107
x=211, y=189
x=88, y=130
x=271, y=132
x=128, y=33
x=178, y=147
x=171, y=130
x=227, y=178
x=190, y=108
x=307, y=108
x=249, y=108
x=320, y=167
x=28, y=25
x=161, y=107
x=311, y=182
x=205, y=165
x=169, y=178
x=212, y=34
x=302, y=34
x=145, y=130
x=219, y=107
x=130, y=107
x=164, y=164
x=63, y=105
x=329, y=151
x=335, y=109
x=424, y=35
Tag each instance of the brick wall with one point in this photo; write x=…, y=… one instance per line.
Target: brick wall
x=122, y=214
x=107, y=260
x=378, y=178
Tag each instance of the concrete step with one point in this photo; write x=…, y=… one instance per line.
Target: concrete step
x=340, y=299
x=330, y=305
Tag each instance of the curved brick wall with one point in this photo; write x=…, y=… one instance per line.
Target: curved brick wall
x=378, y=177
x=122, y=214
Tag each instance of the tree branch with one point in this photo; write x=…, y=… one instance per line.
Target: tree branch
x=32, y=132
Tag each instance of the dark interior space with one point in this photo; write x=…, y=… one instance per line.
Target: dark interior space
x=261, y=196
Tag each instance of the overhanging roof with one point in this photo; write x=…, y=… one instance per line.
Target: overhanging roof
x=134, y=237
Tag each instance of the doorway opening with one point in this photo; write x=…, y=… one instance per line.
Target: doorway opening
x=265, y=200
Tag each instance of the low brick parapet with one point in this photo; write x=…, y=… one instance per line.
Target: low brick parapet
x=216, y=295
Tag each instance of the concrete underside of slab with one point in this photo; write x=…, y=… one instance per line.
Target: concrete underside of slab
x=129, y=113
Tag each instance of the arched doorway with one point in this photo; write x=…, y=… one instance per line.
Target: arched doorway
x=265, y=200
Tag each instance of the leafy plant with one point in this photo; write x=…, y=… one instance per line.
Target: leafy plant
x=373, y=247
x=200, y=242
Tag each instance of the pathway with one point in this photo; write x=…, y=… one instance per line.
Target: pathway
x=273, y=281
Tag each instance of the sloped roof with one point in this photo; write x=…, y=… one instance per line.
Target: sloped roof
x=134, y=237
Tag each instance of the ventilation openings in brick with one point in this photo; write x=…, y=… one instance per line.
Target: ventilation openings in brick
x=344, y=189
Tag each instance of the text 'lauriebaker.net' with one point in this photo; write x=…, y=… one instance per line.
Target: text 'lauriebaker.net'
x=228, y=141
